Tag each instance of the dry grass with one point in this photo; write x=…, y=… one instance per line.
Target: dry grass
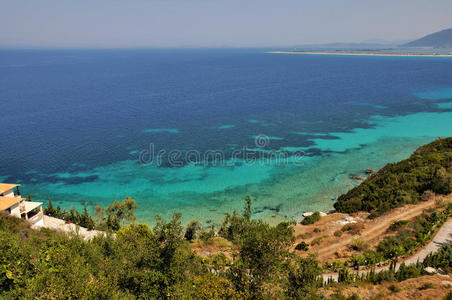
x=212, y=246
x=416, y=288
x=353, y=228
x=330, y=236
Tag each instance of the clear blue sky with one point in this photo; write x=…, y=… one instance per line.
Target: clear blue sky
x=215, y=23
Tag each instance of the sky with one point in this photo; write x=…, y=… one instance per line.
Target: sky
x=215, y=23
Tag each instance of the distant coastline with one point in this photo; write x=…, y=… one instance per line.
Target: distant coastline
x=359, y=53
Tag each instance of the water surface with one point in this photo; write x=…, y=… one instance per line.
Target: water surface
x=76, y=123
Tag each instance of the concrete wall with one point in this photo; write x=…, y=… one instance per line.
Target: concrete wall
x=15, y=210
x=9, y=193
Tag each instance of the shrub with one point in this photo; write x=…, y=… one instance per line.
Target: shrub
x=301, y=236
x=385, y=275
x=334, y=266
x=368, y=258
x=393, y=288
x=427, y=195
x=407, y=272
x=192, y=228
x=315, y=217
x=303, y=279
x=233, y=226
x=207, y=235
x=302, y=246
x=353, y=228
x=318, y=240
x=359, y=244
x=426, y=286
x=440, y=202
x=442, y=181
x=49, y=210
x=440, y=259
x=398, y=224
x=338, y=233
x=449, y=296
x=72, y=216
x=354, y=296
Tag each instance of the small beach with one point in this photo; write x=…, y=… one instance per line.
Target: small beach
x=361, y=53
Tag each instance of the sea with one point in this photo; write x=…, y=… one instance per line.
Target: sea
x=195, y=131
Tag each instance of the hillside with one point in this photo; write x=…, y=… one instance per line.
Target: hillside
x=428, y=170
x=438, y=39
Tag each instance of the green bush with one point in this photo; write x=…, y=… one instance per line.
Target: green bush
x=426, y=286
x=440, y=259
x=302, y=246
x=315, y=217
x=192, y=228
x=393, y=288
x=304, y=278
x=206, y=235
x=118, y=214
x=397, y=225
x=448, y=296
x=353, y=228
x=359, y=244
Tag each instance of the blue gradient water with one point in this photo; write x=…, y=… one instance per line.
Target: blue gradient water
x=74, y=124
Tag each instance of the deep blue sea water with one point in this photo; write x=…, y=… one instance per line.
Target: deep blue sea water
x=78, y=126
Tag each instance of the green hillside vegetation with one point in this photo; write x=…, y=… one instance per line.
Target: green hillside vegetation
x=158, y=263
x=116, y=215
x=143, y=263
x=427, y=171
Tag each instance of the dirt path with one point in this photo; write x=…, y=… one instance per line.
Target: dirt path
x=443, y=236
x=372, y=232
x=375, y=228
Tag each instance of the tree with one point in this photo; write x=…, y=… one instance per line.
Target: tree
x=192, y=227
x=73, y=216
x=304, y=277
x=234, y=225
x=85, y=219
x=118, y=213
x=211, y=287
x=442, y=182
x=263, y=252
x=49, y=210
x=129, y=206
x=99, y=217
x=247, y=210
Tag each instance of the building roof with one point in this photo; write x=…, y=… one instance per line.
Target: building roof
x=29, y=205
x=7, y=202
x=4, y=187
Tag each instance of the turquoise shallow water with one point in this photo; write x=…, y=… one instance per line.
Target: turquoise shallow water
x=280, y=191
x=446, y=105
x=302, y=126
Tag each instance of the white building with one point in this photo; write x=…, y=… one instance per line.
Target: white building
x=15, y=205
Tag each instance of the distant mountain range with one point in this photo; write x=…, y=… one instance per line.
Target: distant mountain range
x=438, y=39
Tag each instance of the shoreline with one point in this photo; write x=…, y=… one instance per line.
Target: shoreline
x=359, y=54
